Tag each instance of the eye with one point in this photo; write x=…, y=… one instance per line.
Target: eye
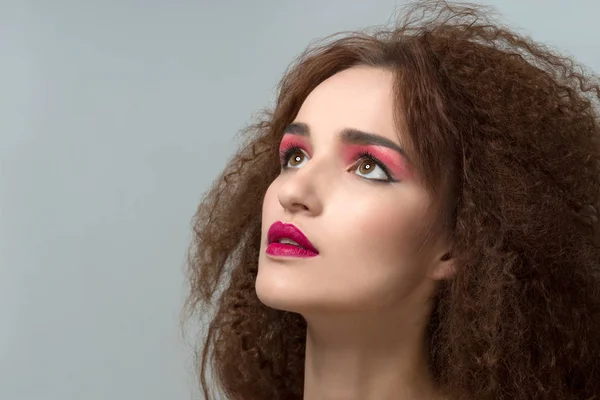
x=369, y=167
x=294, y=157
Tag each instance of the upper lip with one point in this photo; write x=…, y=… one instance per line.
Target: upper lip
x=279, y=230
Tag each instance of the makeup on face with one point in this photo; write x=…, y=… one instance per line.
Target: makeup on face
x=390, y=159
x=286, y=240
x=291, y=141
x=356, y=144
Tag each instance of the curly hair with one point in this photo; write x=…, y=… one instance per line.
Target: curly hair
x=510, y=130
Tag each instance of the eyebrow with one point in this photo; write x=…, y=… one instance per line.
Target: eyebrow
x=351, y=136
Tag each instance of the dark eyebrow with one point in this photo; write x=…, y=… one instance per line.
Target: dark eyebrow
x=297, y=128
x=351, y=136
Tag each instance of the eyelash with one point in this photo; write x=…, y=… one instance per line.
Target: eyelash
x=362, y=155
x=287, y=151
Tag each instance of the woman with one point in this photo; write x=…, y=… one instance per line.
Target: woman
x=416, y=219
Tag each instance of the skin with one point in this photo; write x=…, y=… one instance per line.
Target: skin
x=367, y=296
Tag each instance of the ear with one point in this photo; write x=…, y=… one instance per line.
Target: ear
x=443, y=267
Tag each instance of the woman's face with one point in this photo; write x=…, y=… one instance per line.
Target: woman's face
x=347, y=185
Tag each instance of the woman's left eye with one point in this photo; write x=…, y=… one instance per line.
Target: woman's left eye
x=369, y=168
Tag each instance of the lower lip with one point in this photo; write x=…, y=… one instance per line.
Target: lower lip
x=289, y=250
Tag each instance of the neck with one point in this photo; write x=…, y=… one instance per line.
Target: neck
x=367, y=357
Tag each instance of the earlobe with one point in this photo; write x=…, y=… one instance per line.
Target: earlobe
x=444, y=268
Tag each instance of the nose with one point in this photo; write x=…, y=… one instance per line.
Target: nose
x=299, y=192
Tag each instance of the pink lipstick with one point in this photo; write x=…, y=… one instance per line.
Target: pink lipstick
x=285, y=240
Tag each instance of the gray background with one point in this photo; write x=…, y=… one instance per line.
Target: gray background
x=115, y=116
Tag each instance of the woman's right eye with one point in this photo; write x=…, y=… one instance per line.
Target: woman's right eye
x=293, y=158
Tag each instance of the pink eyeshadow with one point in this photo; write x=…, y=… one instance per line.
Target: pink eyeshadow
x=290, y=140
x=396, y=164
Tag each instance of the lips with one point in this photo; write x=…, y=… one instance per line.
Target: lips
x=287, y=240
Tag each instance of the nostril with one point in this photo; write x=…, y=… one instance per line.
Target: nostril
x=301, y=206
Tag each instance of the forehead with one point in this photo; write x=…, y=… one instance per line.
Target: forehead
x=359, y=97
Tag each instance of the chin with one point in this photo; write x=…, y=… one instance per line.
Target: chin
x=290, y=295
x=299, y=289
x=278, y=294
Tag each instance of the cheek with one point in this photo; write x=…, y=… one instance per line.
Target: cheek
x=383, y=230
x=270, y=199
x=384, y=217
x=376, y=259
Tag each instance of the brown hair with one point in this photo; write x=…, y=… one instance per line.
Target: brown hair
x=511, y=131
